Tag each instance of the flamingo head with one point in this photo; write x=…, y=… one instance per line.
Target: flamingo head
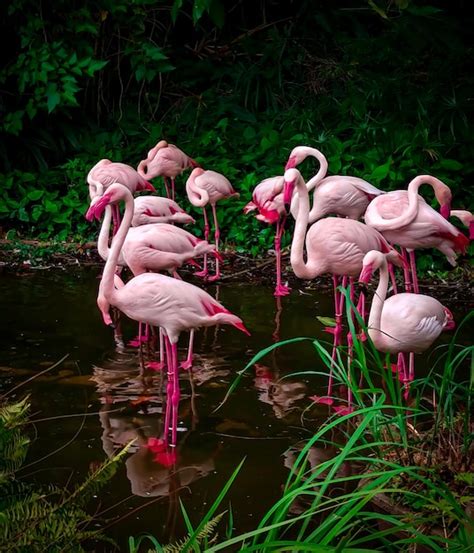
x=291, y=177
x=371, y=262
x=449, y=323
x=445, y=210
x=97, y=207
x=104, y=307
x=251, y=206
x=443, y=195
x=291, y=163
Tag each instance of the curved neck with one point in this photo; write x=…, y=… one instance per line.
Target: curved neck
x=298, y=264
x=197, y=196
x=411, y=212
x=323, y=169
x=103, y=240
x=380, y=294
x=106, y=287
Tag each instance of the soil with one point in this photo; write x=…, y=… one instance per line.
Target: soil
x=32, y=255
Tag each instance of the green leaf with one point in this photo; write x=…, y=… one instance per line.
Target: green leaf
x=217, y=13
x=49, y=206
x=94, y=66
x=380, y=172
x=34, y=195
x=450, y=164
x=326, y=321
x=53, y=96
x=175, y=9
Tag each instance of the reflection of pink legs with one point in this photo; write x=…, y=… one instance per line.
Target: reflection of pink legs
x=189, y=359
x=204, y=272
x=280, y=289
x=217, y=235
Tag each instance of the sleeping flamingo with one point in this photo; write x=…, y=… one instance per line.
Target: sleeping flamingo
x=155, y=209
x=403, y=322
x=203, y=188
x=157, y=300
x=165, y=160
x=405, y=219
x=334, y=245
x=334, y=195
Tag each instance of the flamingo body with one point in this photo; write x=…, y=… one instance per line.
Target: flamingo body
x=106, y=172
x=208, y=187
x=165, y=160
x=267, y=198
x=155, y=209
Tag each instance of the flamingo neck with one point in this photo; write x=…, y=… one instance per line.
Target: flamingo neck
x=300, y=268
x=103, y=239
x=411, y=212
x=375, y=316
x=197, y=196
x=106, y=287
x=314, y=181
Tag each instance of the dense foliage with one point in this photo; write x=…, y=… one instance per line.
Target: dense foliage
x=383, y=88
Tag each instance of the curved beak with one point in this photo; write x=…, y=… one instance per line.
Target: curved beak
x=445, y=210
x=289, y=187
x=95, y=211
x=291, y=163
x=366, y=274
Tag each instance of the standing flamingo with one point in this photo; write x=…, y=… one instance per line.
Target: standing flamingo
x=333, y=245
x=403, y=322
x=165, y=160
x=105, y=173
x=155, y=209
x=334, y=195
x=157, y=300
x=208, y=187
x=405, y=219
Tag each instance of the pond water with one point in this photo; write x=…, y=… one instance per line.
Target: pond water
x=96, y=400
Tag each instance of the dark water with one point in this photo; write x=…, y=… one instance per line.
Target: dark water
x=47, y=315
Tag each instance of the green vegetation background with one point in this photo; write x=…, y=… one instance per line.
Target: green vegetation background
x=383, y=88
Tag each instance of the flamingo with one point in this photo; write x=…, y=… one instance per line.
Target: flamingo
x=466, y=218
x=165, y=160
x=208, y=187
x=403, y=322
x=157, y=300
x=337, y=194
x=106, y=172
x=333, y=245
x=155, y=209
x=405, y=219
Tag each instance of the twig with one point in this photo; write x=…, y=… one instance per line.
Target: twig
x=264, y=264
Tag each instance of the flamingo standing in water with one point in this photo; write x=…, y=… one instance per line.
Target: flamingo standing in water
x=203, y=188
x=403, y=322
x=155, y=209
x=405, y=219
x=157, y=300
x=105, y=173
x=334, y=245
x=165, y=160
x=333, y=195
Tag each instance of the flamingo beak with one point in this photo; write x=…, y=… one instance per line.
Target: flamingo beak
x=95, y=211
x=445, y=210
x=366, y=274
x=288, y=193
x=291, y=163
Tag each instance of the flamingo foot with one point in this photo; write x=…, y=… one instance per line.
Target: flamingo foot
x=213, y=278
x=281, y=290
x=155, y=366
x=342, y=410
x=166, y=458
x=336, y=331
x=156, y=445
x=186, y=365
x=396, y=370
x=202, y=274
x=325, y=400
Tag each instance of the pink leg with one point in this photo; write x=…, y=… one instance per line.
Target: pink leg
x=189, y=359
x=406, y=271
x=203, y=274
x=280, y=289
x=169, y=389
x=414, y=276
x=175, y=396
x=172, y=188
x=393, y=280
x=217, y=235
x=165, y=180
x=158, y=365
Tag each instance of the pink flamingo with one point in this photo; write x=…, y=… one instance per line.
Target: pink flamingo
x=333, y=245
x=403, y=322
x=334, y=195
x=203, y=188
x=157, y=300
x=405, y=219
x=155, y=209
x=106, y=172
x=165, y=160
x=466, y=218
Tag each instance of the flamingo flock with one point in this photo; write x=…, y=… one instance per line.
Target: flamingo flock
x=329, y=239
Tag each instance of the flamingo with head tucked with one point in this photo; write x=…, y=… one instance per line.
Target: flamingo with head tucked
x=405, y=219
x=334, y=245
x=203, y=188
x=157, y=300
x=168, y=161
x=155, y=209
x=403, y=322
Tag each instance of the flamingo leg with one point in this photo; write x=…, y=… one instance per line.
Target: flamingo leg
x=172, y=188
x=393, y=279
x=169, y=389
x=406, y=271
x=189, y=359
x=204, y=272
x=280, y=289
x=175, y=395
x=165, y=180
x=217, y=236
x=414, y=276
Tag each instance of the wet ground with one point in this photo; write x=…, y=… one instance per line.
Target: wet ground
x=96, y=400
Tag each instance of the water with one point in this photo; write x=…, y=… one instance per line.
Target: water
x=96, y=400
